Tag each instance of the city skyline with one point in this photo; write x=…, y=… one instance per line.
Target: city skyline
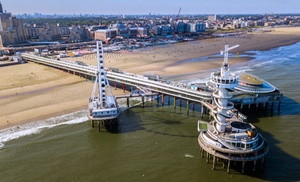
x=134, y=7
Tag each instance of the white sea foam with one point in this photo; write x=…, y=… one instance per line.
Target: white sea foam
x=189, y=156
x=19, y=131
x=259, y=64
x=200, y=80
x=16, y=132
x=279, y=55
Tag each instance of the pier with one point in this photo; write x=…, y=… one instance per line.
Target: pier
x=227, y=137
x=241, y=99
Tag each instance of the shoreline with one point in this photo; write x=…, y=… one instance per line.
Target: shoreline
x=25, y=94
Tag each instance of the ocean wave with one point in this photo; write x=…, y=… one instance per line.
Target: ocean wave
x=36, y=127
x=259, y=64
x=16, y=132
x=278, y=55
x=198, y=80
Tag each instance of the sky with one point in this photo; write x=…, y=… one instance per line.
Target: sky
x=139, y=7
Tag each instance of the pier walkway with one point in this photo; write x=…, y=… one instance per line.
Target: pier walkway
x=127, y=79
x=138, y=81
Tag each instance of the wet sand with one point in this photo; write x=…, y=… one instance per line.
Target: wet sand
x=31, y=92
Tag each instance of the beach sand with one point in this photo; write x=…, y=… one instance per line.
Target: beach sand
x=31, y=92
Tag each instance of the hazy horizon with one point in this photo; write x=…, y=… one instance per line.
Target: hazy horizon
x=134, y=7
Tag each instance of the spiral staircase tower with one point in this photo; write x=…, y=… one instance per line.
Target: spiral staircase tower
x=228, y=137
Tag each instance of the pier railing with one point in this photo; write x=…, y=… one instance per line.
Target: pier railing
x=123, y=78
x=139, y=81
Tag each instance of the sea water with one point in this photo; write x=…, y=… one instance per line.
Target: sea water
x=156, y=143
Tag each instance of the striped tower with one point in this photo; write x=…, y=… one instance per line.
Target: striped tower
x=102, y=105
x=101, y=74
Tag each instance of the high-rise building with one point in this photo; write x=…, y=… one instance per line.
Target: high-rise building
x=1, y=9
x=11, y=29
x=195, y=27
x=212, y=18
x=180, y=26
x=106, y=34
x=44, y=33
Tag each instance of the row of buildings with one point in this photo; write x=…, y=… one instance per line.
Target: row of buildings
x=121, y=30
x=15, y=31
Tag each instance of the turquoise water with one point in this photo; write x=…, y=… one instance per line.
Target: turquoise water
x=155, y=143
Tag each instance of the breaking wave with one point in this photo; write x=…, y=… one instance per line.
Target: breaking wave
x=16, y=132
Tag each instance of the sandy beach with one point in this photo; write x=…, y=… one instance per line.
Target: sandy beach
x=31, y=92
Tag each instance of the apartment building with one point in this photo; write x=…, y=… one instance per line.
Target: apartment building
x=12, y=30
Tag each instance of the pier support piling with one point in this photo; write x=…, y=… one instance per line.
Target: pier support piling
x=254, y=165
x=214, y=162
x=187, y=106
x=92, y=122
x=143, y=101
x=207, y=157
x=174, y=103
x=266, y=106
x=228, y=167
x=123, y=87
x=243, y=167
x=262, y=163
x=201, y=152
x=202, y=110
